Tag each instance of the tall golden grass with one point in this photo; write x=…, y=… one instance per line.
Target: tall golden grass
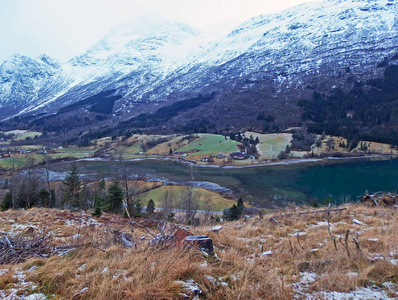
x=256, y=259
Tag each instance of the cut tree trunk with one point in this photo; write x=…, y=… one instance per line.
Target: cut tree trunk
x=202, y=241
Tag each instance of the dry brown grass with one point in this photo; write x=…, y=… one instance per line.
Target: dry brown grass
x=7, y=279
x=257, y=259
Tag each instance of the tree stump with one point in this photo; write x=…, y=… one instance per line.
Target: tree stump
x=202, y=241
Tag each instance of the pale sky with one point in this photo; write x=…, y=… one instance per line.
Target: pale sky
x=66, y=28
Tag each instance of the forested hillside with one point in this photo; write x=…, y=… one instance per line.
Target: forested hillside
x=369, y=111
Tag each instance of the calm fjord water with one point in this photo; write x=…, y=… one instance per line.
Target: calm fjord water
x=336, y=180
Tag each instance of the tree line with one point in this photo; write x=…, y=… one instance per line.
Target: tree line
x=34, y=187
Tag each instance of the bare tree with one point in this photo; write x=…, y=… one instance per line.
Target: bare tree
x=168, y=202
x=207, y=207
x=25, y=185
x=15, y=161
x=45, y=170
x=123, y=174
x=189, y=200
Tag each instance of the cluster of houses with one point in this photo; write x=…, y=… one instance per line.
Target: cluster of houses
x=238, y=155
x=233, y=155
x=15, y=152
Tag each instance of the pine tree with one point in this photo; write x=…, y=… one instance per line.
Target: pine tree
x=98, y=206
x=240, y=208
x=150, y=207
x=135, y=208
x=7, y=202
x=52, y=198
x=115, y=198
x=235, y=212
x=72, y=187
x=44, y=197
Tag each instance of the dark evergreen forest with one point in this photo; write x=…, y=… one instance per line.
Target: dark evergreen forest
x=369, y=111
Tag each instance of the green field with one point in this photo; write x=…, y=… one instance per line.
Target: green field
x=212, y=199
x=74, y=151
x=210, y=144
x=271, y=144
x=23, y=134
x=20, y=161
x=132, y=151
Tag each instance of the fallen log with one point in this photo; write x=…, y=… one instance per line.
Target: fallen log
x=318, y=211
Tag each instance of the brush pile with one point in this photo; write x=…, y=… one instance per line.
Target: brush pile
x=15, y=250
x=381, y=199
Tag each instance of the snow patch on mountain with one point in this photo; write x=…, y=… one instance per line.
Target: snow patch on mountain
x=285, y=49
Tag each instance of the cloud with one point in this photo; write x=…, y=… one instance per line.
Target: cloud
x=65, y=28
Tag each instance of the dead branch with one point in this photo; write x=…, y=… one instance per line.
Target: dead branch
x=123, y=238
x=318, y=211
x=161, y=229
x=356, y=242
x=9, y=244
x=291, y=247
x=345, y=244
x=66, y=247
x=143, y=227
x=274, y=220
x=330, y=233
x=298, y=240
x=98, y=248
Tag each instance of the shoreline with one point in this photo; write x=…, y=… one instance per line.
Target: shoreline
x=284, y=162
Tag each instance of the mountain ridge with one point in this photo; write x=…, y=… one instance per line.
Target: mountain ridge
x=266, y=64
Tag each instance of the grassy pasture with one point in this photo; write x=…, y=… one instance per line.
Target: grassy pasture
x=23, y=134
x=19, y=161
x=208, y=144
x=271, y=144
x=74, y=151
x=207, y=198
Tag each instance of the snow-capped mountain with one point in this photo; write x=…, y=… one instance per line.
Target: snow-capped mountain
x=130, y=61
x=124, y=52
x=123, y=57
x=266, y=63
x=310, y=40
x=28, y=82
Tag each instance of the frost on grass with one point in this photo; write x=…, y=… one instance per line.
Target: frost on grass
x=359, y=294
x=307, y=278
x=22, y=289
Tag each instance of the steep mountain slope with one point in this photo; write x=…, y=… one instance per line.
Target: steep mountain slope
x=124, y=58
x=271, y=61
x=130, y=61
x=25, y=81
x=265, y=65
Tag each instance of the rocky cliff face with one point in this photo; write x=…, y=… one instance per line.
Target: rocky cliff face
x=266, y=64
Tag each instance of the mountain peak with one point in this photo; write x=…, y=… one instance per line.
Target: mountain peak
x=44, y=58
x=269, y=58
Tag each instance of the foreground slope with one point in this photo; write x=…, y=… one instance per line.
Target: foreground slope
x=348, y=253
